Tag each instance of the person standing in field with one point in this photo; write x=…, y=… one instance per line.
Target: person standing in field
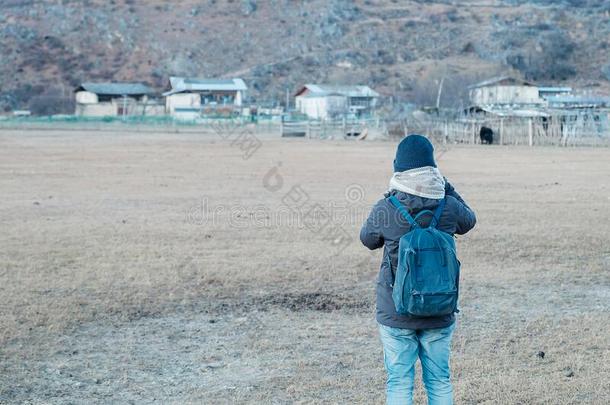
x=417, y=295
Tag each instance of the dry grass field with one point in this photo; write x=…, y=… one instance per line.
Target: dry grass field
x=138, y=268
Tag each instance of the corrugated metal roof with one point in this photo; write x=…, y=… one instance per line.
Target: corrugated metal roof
x=318, y=90
x=554, y=89
x=185, y=84
x=496, y=80
x=579, y=100
x=116, y=89
x=522, y=113
x=508, y=112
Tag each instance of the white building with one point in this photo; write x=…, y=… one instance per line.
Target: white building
x=322, y=101
x=189, y=98
x=115, y=99
x=504, y=91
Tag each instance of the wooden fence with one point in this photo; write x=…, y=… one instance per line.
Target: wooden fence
x=564, y=130
x=332, y=129
x=554, y=130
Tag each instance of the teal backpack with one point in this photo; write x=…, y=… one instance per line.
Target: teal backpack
x=428, y=274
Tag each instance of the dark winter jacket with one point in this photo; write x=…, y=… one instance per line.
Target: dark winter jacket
x=385, y=226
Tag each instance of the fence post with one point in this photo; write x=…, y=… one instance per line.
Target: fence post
x=563, y=128
x=501, y=131
x=531, y=131
x=474, y=134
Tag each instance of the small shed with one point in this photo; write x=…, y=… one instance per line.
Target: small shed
x=190, y=97
x=324, y=101
x=115, y=99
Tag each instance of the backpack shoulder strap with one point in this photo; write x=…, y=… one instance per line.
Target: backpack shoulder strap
x=438, y=212
x=401, y=208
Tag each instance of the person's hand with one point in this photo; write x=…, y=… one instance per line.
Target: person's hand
x=448, y=187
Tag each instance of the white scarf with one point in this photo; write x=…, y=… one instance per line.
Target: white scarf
x=425, y=182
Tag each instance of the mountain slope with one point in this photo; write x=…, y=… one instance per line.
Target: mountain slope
x=401, y=48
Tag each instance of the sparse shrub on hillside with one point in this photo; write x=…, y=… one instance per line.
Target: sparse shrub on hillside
x=552, y=61
x=248, y=7
x=345, y=10
x=468, y=48
x=53, y=42
x=384, y=57
x=606, y=71
x=36, y=62
x=310, y=61
x=453, y=15
x=541, y=27
x=158, y=78
x=329, y=28
x=378, y=78
x=260, y=83
x=408, y=26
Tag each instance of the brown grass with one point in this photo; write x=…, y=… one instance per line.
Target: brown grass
x=111, y=291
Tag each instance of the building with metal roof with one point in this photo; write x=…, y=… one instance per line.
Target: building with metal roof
x=324, y=101
x=115, y=99
x=191, y=85
x=116, y=89
x=504, y=91
x=191, y=97
x=316, y=90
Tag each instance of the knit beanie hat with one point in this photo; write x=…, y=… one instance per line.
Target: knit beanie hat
x=414, y=151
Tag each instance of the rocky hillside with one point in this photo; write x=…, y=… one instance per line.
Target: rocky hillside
x=401, y=48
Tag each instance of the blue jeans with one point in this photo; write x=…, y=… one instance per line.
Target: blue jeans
x=402, y=347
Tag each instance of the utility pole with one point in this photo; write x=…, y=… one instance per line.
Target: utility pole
x=438, y=95
x=124, y=106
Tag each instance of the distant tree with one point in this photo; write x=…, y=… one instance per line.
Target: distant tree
x=52, y=101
